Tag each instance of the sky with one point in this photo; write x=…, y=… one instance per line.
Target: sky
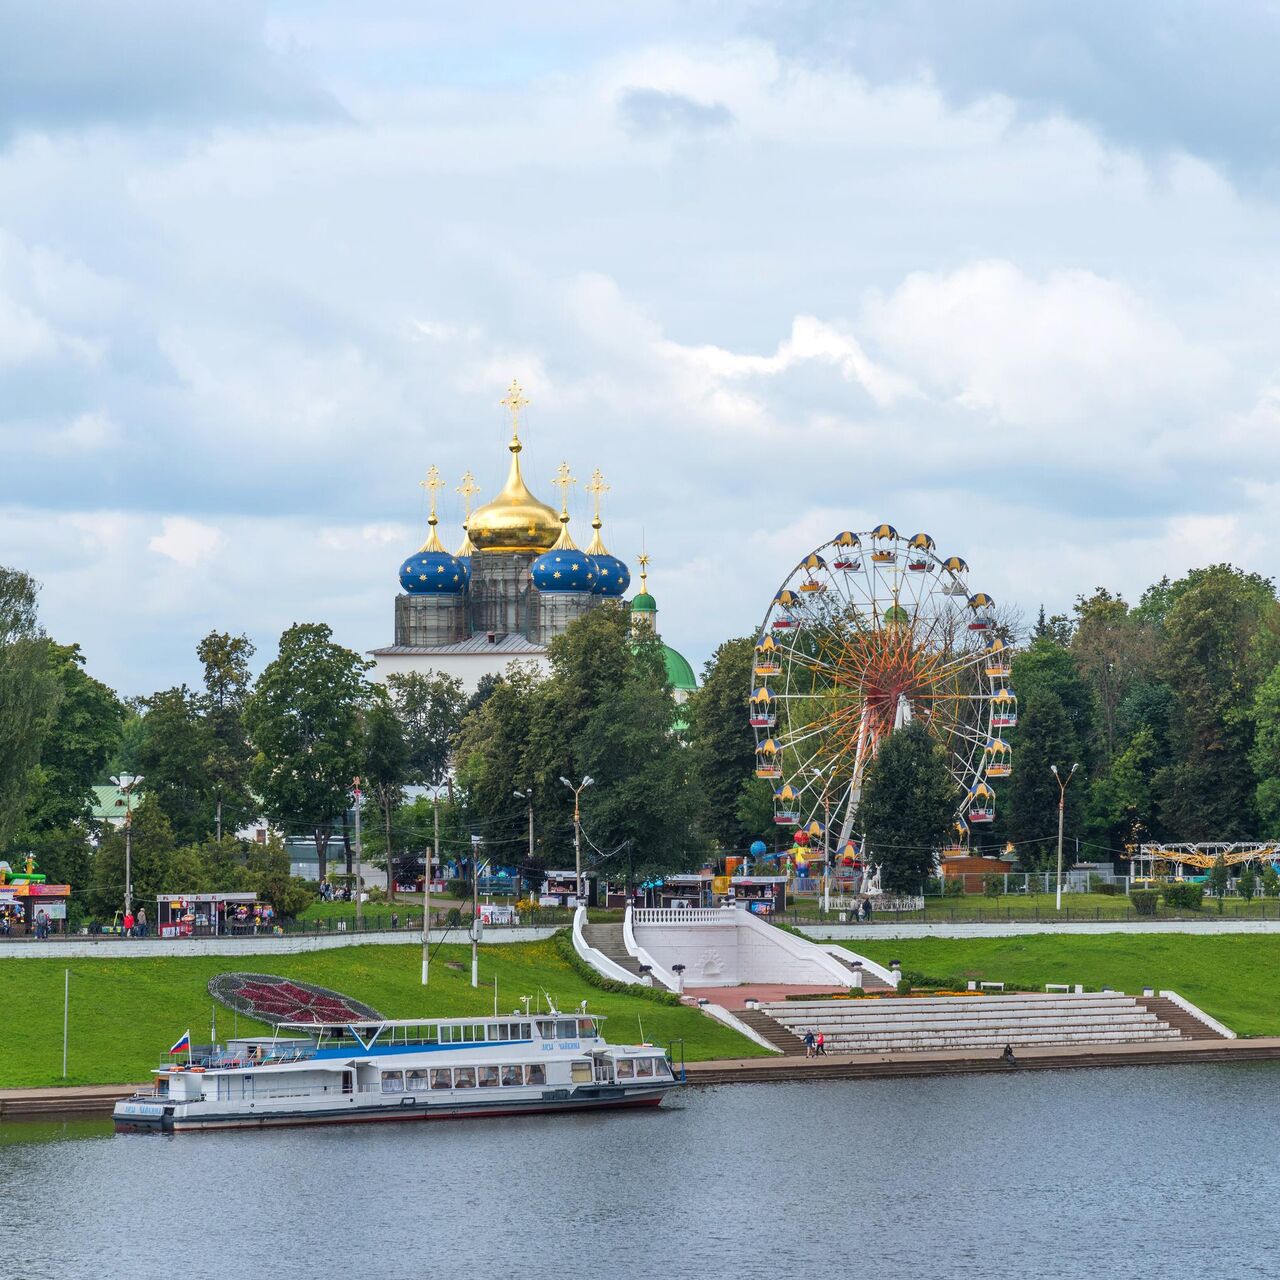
x=1006, y=273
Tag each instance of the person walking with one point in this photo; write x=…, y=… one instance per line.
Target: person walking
x=127, y=922
x=822, y=1045
x=810, y=1044
x=141, y=922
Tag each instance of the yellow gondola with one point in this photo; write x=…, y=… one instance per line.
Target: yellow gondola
x=786, y=805
x=768, y=657
x=982, y=804
x=997, y=759
x=768, y=764
x=997, y=666
x=763, y=715
x=1004, y=709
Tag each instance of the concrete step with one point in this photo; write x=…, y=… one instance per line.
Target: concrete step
x=859, y=1044
x=774, y=1032
x=1178, y=1018
x=834, y=1026
x=961, y=1001
x=608, y=940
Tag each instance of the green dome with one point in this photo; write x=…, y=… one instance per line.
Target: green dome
x=644, y=603
x=679, y=672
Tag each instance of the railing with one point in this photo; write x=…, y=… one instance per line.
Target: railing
x=683, y=915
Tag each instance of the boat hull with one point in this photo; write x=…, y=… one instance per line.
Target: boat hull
x=147, y=1115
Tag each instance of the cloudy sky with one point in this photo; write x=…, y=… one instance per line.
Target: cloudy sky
x=1004, y=272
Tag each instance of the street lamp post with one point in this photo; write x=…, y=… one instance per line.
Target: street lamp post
x=528, y=796
x=359, y=853
x=127, y=782
x=433, y=852
x=577, y=828
x=1063, y=783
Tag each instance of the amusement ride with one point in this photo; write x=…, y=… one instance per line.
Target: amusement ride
x=869, y=632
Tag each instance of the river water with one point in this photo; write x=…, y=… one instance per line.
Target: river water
x=1168, y=1172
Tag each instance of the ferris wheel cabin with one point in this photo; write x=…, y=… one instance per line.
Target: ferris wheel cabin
x=919, y=545
x=997, y=667
x=955, y=566
x=763, y=715
x=768, y=761
x=997, y=759
x=983, y=607
x=1004, y=709
x=767, y=657
x=786, y=806
x=848, y=545
x=982, y=804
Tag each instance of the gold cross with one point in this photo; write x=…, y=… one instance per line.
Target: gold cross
x=468, y=488
x=563, y=482
x=514, y=401
x=431, y=484
x=598, y=489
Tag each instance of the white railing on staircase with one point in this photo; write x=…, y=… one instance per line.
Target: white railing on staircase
x=683, y=915
x=594, y=957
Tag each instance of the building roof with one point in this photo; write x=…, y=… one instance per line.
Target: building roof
x=643, y=602
x=679, y=672
x=509, y=643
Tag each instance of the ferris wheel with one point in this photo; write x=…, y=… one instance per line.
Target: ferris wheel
x=869, y=632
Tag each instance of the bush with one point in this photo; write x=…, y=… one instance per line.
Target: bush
x=993, y=885
x=953, y=887
x=1270, y=881
x=1144, y=901
x=563, y=944
x=1105, y=887
x=1248, y=885
x=1184, y=895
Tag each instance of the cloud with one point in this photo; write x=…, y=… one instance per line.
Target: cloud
x=186, y=542
x=654, y=111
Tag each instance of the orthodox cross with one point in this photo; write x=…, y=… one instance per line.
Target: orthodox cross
x=564, y=481
x=468, y=488
x=431, y=484
x=514, y=401
x=597, y=488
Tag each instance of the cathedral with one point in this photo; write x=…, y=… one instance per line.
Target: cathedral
x=516, y=582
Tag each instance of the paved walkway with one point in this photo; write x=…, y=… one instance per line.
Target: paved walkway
x=1017, y=929
x=87, y=947
x=737, y=997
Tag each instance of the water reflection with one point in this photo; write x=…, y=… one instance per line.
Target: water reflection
x=1071, y=1174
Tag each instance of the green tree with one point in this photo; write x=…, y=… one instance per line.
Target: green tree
x=29, y=695
x=1248, y=884
x=430, y=708
x=1264, y=754
x=1122, y=797
x=1270, y=881
x=174, y=759
x=83, y=734
x=152, y=850
x=303, y=722
x=1045, y=739
x=386, y=765
x=226, y=690
x=1113, y=649
x=268, y=865
x=1219, y=642
x=1218, y=877
x=906, y=808
x=721, y=744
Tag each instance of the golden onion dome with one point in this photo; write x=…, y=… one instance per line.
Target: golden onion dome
x=514, y=521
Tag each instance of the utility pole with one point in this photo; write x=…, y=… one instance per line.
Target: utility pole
x=432, y=853
x=577, y=828
x=527, y=796
x=359, y=876
x=1063, y=783
x=475, y=911
x=219, y=819
x=128, y=782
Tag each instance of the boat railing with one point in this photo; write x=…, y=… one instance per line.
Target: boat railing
x=221, y=1058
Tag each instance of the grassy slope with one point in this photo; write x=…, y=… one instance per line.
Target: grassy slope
x=126, y=1013
x=1234, y=977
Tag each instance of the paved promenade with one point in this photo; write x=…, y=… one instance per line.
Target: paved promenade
x=1018, y=929
x=266, y=944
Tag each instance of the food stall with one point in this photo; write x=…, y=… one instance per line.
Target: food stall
x=210, y=915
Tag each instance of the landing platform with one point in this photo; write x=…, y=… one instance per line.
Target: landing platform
x=737, y=997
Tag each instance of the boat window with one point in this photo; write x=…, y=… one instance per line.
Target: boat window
x=546, y=1028
x=567, y=1030
x=393, y=1082
x=441, y=1078
x=495, y=1031
x=488, y=1077
x=660, y=1067
x=464, y=1078
x=526, y=1031
x=644, y=1066
x=625, y=1069
x=580, y=1072
x=415, y=1079
x=535, y=1073
x=512, y=1075
x=586, y=1027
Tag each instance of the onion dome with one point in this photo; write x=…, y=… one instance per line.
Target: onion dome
x=612, y=575
x=515, y=520
x=431, y=570
x=564, y=568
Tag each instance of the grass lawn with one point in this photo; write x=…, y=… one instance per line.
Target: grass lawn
x=126, y=1013
x=1234, y=977
x=1040, y=906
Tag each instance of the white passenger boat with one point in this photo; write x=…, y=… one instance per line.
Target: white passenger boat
x=442, y=1068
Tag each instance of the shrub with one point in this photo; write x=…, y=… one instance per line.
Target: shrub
x=1248, y=884
x=563, y=944
x=953, y=887
x=1105, y=887
x=1270, y=881
x=1184, y=895
x=993, y=885
x=1144, y=901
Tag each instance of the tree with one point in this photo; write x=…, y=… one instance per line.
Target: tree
x=29, y=695
x=1055, y=630
x=1122, y=797
x=1218, y=877
x=1219, y=643
x=83, y=733
x=386, y=764
x=721, y=744
x=226, y=689
x=1248, y=884
x=152, y=849
x=1045, y=738
x=430, y=708
x=174, y=758
x=907, y=804
x=1270, y=881
x=303, y=721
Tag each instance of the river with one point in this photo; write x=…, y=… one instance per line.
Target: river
x=1167, y=1172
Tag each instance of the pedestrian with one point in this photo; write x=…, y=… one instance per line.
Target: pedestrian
x=127, y=922
x=1007, y=1055
x=142, y=922
x=822, y=1045
x=866, y=910
x=810, y=1044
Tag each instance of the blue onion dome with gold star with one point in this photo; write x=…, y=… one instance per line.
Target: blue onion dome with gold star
x=612, y=575
x=564, y=568
x=431, y=570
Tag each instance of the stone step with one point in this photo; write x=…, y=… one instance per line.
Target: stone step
x=774, y=1032
x=608, y=940
x=1178, y=1018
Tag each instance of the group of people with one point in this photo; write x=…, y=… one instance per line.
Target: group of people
x=815, y=1044
x=330, y=894
x=42, y=925
x=135, y=926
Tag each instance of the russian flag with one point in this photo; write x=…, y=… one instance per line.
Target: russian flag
x=184, y=1044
